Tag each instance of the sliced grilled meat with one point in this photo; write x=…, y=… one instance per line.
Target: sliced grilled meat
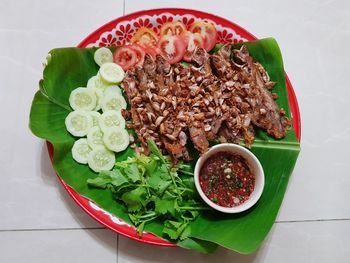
x=221, y=97
x=199, y=139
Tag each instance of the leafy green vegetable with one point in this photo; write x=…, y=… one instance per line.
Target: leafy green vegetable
x=166, y=205
x=135, y=199
x=154, y=190
x=132, y=172
x=177, y=230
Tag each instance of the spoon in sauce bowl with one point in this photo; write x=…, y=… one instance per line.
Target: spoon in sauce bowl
x=229, y=178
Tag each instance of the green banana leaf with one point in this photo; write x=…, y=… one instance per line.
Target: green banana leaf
x=69, y=68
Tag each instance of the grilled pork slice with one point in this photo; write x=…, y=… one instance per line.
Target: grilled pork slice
x=221, y=63
x=199, y=139
x=265, y=112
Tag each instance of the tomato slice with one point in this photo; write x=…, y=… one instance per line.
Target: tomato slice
x=125, y=57
x=207, y=31
x=192, y=41
x=145, y=37
x=172, y=48
x=151, y=50
x=140, y=54
x=172, y=28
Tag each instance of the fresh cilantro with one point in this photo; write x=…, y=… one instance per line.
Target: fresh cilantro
x=99, y=182
x=118, y=178
x=132, y=172
x=140, y=228
x=135, y=199
x=155, y=150
x=151, y=187
x=164, y=206
x=177, y=230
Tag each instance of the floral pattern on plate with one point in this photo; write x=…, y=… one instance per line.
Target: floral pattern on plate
x=122, y=33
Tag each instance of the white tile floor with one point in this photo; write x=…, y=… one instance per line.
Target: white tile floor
x=40, y=223
x=76, y=245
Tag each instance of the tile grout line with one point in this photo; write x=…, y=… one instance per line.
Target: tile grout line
x=117, y=248
x=51, y=229
x=102, y=228
x=312, y=220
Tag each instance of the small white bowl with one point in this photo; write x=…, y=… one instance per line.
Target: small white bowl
x=254, y=165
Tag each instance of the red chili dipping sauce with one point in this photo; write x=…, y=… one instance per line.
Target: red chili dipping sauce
x=226, y=179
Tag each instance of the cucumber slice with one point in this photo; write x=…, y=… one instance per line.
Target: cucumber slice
x=94, y=137
x=96, y=82
x=78, y=123
x=116, y=139
x=92, y=82
x=102, y=56
x=101, y=159
x=111, y=73
x=111, y=119
x=113, y=101
x=113, y=89
x=80, y=151
x=99, y=96
x=95, y=117
x=82, y=99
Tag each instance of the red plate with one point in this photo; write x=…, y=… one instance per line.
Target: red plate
x=118, y=32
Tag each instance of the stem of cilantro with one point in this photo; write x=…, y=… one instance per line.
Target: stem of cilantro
x=185, y=189
x=170, y=194
x=173, y=179
x=193, y=208
x=146, y=215
x=145, y=185
x=185, y=172
x=149, y=219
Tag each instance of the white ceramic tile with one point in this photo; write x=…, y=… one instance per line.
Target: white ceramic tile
x=303, y=242
x=314, y=37
x=73, y=246
x=30, y=194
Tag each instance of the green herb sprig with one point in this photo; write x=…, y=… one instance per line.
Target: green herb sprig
x=151, y=188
